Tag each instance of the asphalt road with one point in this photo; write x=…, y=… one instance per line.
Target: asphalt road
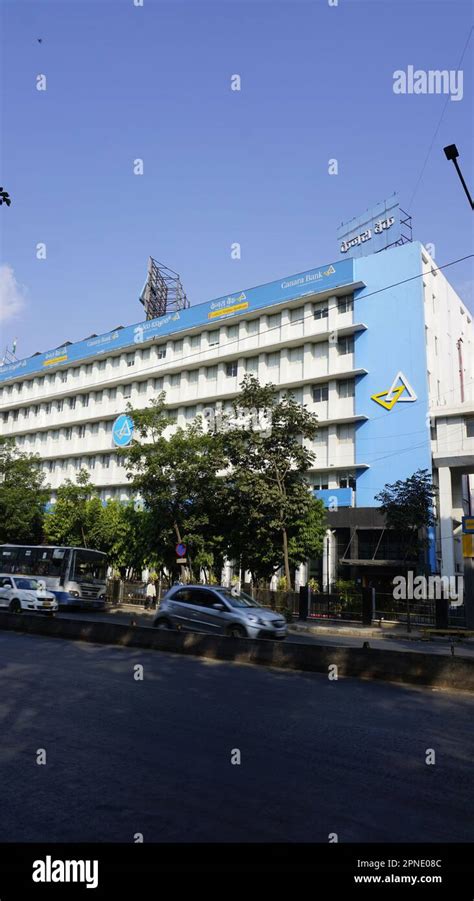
x=154, y=756
x=439, y=646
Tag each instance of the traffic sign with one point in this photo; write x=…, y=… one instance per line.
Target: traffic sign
x=180, y=550
x=122, y=430
x=181, y=560
x=468, y=525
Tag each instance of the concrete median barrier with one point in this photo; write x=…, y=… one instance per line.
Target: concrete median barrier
x=443, y=672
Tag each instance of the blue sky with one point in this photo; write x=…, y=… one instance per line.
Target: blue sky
x=220, y=166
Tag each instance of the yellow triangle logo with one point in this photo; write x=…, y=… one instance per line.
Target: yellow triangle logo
x=391, y=403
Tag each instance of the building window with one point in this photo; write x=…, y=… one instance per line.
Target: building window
x=274, y=321
x=115, y=361
x=127, y=390
x=319, y=481
x=130, y=359
x=214, y=338
x=81, y=431
x=321, y=436
x=470, y=427
x=297, y=315
x=98, y=397
x=178, y=346
x=320, y=393
x=112, y=394
x=47, y=408
x=253, y=327
x=105, y=460
x=345, y=345
x=211, y=373
x=251, y=365
x=231, y=369
x=101, y=365
x=172, y=414
x=68, y=434
x=345, y=304
x=142, y=387
x=175, y=379
x=190, y=412
x=346, y=480
x=89, y=369
x=158, y=385
x=59, y=405
x=193, y=376
x=346, y=388
x=345, y=434
x=296, y=355
x=195, y=341
x=146, y=354
x=91, y=462
x=161, y=351
x=232, y=332
x=273, y=361
x=320, y=311
x=64, y=377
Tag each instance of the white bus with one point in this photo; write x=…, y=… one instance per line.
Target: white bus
x=76, y=575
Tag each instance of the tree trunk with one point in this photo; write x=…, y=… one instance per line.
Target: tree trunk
x=286, y=559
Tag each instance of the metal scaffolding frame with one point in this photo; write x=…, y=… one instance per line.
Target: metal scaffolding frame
x=162, y=292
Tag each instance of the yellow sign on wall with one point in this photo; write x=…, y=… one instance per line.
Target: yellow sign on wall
x=468, y=545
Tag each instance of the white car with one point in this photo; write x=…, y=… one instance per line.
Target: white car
x=25, y=593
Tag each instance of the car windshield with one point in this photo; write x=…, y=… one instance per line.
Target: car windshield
x=239, y=598
x=27, y=584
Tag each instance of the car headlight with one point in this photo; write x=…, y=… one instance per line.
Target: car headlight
x=255, y=619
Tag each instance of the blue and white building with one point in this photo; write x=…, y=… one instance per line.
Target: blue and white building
x=380, y=347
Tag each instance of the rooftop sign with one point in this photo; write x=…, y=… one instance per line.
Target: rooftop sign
x=378, y=228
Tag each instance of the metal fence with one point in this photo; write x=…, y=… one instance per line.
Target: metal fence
x=320, y=607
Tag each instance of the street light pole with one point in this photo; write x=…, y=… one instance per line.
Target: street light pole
x=452, y=153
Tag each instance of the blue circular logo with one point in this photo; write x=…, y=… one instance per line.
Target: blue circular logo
x=122, y=430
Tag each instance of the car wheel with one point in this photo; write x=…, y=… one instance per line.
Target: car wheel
x=163, y=623
x=15, y=606
x=236, y=632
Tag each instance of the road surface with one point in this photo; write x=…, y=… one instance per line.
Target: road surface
x=153, y=756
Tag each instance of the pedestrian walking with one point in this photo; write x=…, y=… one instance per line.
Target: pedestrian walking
x=150, y=598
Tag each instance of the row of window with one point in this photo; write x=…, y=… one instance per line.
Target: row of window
x=232, y=332
x=345, y=345
x=78, y=463
x=320, y=393
x=320, y=480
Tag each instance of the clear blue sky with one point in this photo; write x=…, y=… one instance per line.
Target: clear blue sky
x=219, y=166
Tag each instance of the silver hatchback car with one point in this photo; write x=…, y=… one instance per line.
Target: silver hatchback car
x=220, y=611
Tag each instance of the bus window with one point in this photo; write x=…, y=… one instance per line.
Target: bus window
x=7, y=559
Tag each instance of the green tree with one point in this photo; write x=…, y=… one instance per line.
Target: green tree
x=74, y=515
x=178, y=479
x=280, y=522
x=408, y=505
x=23, y=495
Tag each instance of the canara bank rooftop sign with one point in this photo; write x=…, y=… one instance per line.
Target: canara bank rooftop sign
x=313, y=281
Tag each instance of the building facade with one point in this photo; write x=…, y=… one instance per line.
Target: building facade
x=380, y=348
